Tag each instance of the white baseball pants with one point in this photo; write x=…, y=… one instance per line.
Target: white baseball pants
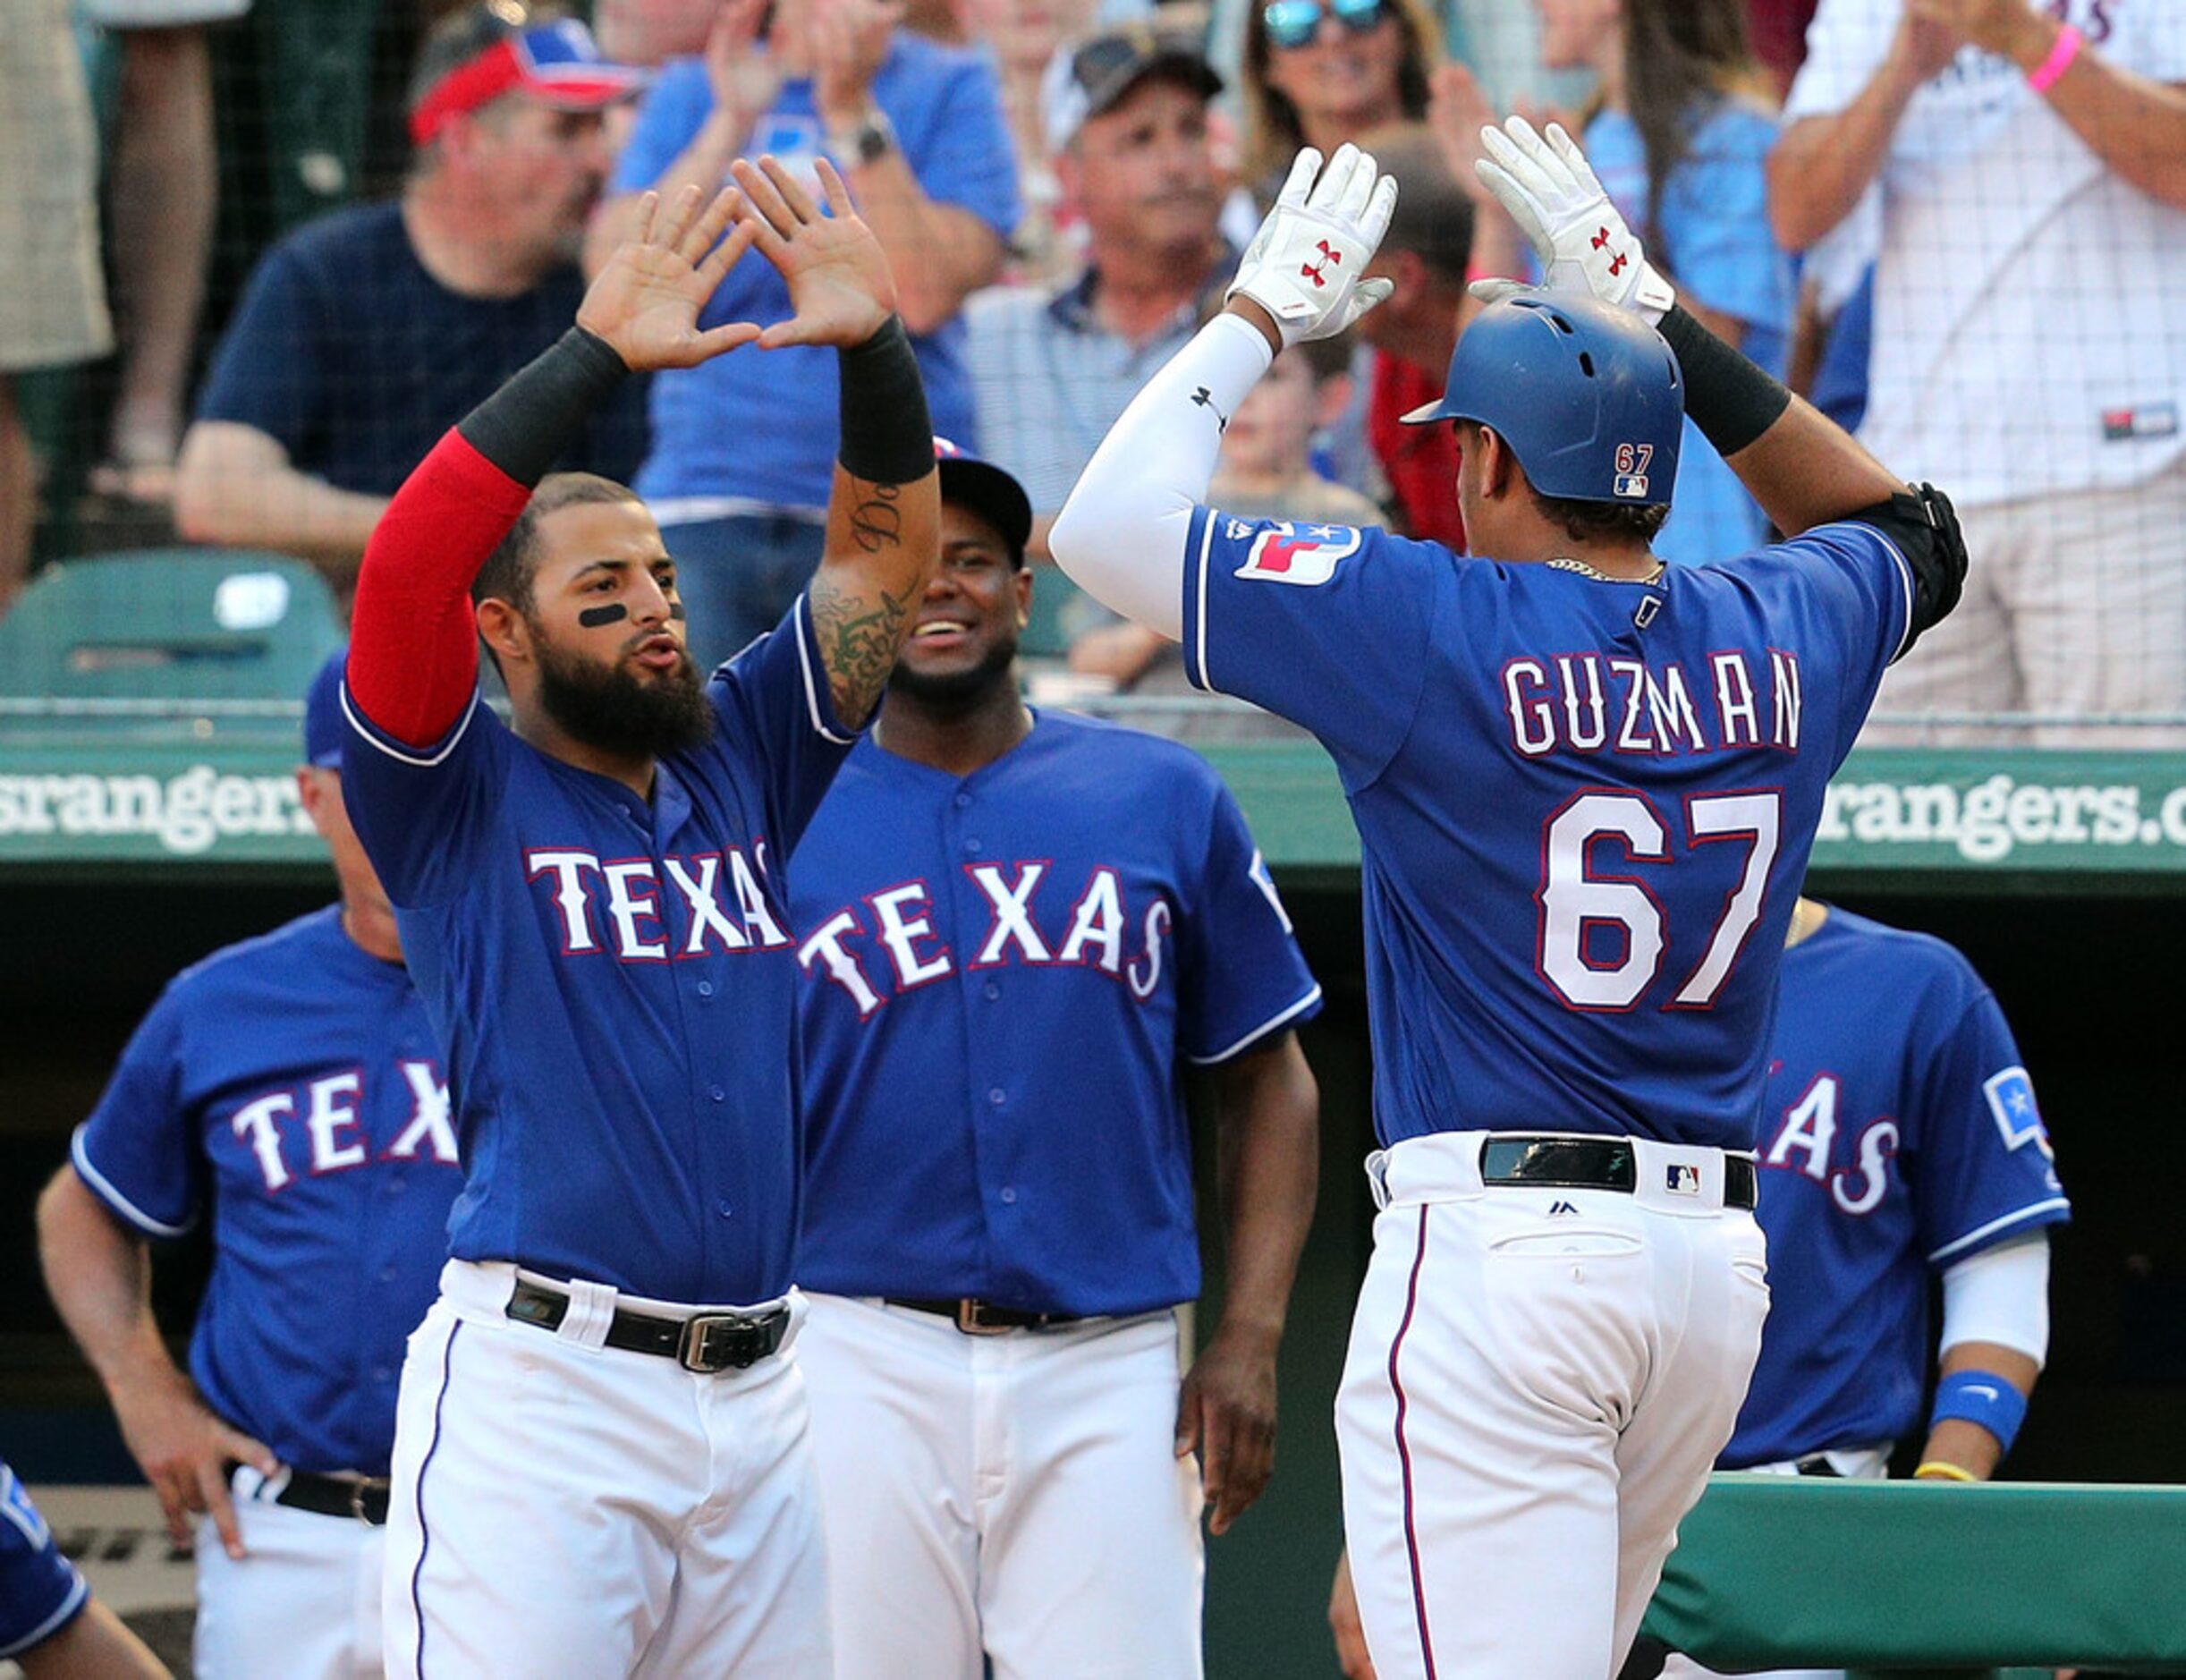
x=563, y=1508
x=304, y=1604
x=1539, y=1381
x=1016, y=1496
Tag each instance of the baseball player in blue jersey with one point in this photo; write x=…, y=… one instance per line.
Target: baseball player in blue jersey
x=50, y=1625
x=601, y=1463
x=1900, y=1142
x=1585, y=788
x=291, y=1087
x=1018, y=929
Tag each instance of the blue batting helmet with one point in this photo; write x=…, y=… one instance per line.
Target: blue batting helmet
x=1588, y=396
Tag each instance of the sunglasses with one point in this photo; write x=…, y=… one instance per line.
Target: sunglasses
x=1294, y=22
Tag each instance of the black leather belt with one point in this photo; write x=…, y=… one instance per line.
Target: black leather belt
x=706, y=1342
x=363, y=1498
x=1592, y=1164
x=983, y=1318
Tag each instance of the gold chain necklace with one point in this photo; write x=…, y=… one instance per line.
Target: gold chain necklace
x=1564, y=563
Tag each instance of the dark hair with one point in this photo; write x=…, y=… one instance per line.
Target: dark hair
x=1683, y=59
x=1329, y=358
x=507, y=572
x=1602, y=521
x=1433, y=219
x=1273, y=132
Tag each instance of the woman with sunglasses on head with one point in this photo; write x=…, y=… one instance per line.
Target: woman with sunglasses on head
x=1679, y=132
x=1318, y=72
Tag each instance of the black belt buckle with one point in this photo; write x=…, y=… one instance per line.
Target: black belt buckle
x=367, y=1501
x=714, y=1342
x=1567, y=1163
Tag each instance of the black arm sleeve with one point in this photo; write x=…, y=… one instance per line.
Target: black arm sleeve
x=1730, y=400
x=887, y=435
x=525, y=426
x=1924, y=525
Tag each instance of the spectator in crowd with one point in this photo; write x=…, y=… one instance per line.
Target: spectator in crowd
x=1428, y=254
x=364, y=335
x=651, y=32
x=2028, y=343
x=162, y=188
x=1264, y=471
x=1680, y=136
x=1127, y=124
x=1027, y=38
x=744, y=446
x=52, y=310
x=1318, y=72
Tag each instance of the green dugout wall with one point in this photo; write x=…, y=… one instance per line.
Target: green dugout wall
x=130, y=845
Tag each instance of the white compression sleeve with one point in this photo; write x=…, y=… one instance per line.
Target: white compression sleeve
x=1121, y=534
x=2000, y=1295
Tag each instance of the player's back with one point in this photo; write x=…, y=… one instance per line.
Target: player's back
x=1585, y=806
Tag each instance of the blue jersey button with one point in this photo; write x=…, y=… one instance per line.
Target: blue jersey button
x=963, y=801
x=973, y=846
x=993, y=991
x=997, y=1096
x=716, y=1092
x=395, y=1184
x=1009, y=1193
x=725, y=1210
x=706, y=989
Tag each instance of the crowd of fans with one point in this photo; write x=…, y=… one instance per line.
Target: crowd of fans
x=1961, y=220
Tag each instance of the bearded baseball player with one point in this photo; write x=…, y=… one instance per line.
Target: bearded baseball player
x=1000, y=1006
x=1585, y=788
x=601, y=1460
x=291, y=1085
x=51, y=1627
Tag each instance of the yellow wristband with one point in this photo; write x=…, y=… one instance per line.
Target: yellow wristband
x=1936, y=1470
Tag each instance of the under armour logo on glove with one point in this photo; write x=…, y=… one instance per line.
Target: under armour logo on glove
x=1584, y=245
x=1303, y=264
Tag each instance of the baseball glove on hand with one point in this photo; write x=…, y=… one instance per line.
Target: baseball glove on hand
x=1550, y=190
x=1303, y=264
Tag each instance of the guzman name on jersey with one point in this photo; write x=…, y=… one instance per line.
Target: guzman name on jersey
x=1587, y=702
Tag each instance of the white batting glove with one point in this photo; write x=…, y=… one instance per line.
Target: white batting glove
x=1303, y=264
x=1550, y=190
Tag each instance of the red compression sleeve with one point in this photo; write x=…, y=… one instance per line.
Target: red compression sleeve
x=414, y=645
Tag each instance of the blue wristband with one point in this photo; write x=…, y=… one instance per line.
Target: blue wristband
x=1982, y=1397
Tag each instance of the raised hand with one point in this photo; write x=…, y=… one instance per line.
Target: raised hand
x=645, y=304
x=841, y=290
x=1303, y=267
x=740, y=69
x=1584, y=245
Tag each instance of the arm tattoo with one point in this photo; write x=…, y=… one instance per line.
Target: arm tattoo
x=858, y=639
x=877, y=522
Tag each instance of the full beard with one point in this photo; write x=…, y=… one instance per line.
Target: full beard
x=611, y=708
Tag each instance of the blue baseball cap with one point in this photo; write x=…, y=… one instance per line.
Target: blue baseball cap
x=988, y=491
x=325, y=729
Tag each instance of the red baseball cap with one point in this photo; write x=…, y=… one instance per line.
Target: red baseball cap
x=484, y=55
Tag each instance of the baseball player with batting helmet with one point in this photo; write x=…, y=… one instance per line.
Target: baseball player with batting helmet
x=1586, y=788
x=1018, y=929
x=50, y=1625
x=601, y=1458
x=293, y=1084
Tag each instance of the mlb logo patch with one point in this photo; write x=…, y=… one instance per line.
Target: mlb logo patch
x=1285, y=553
x=2011, y=1099
x=1685, y=1180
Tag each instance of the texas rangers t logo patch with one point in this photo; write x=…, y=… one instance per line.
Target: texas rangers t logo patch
x=1287, y=552
x=2011, y=1099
